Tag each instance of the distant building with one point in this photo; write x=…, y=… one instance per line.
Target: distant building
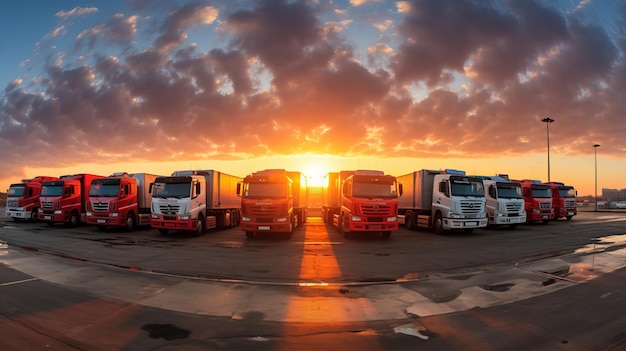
x=613, y=194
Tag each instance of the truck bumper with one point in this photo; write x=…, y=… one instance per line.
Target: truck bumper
x=17, y=213
x=541, y=217
x=372, y=226
x=174, y=224
x=266, y=227
x=509, y=220
x=53, y=217
x=108, y=221
x=454, y=223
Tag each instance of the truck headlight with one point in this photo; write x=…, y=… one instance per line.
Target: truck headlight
x=185, y=218
x=155, y=216
x=246, y=219
x=58, y=212
x=88, y=214
x=392, y=219
x=356, y=218
x=114, y=214
x=282, y=219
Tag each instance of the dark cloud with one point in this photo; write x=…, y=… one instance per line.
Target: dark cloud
x=467, y=78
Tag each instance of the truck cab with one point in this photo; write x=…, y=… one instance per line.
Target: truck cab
x=179, y=202
x=120, y=200
x=458, y=202
x=563, y=200
x=368, y=201
x=268, y=202
x=537, y=200
x=65, y=200
x=504, y=201
x=23, y=198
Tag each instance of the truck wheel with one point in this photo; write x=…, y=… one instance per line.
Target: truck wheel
x=33, y=215
x=74, y=219
x=200, y=226
x=130, y=222
x=249, y=235
x=408, y=221
x=438, y=224
x=164, y=231
x=342, y=229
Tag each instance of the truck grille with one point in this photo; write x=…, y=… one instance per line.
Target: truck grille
x=375, y=210
x=545, y=205
x=100, y=206
x=471, y=207
x=169, y=209
x=47, y=204
x=570, y=203
x=12, y=203
x=263, y=210
x=514, y=207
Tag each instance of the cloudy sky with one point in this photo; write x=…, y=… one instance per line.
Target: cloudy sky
x=235, y=85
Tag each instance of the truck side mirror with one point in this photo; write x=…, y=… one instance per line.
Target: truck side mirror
x=239, y=189
x=198, y=189
x=400, y=189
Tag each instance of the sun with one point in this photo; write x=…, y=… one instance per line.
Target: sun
x=314, y=174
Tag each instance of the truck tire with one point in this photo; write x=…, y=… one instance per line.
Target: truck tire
x=249, y=235
x=74, y=219
x=200, y=226
x=130, y=222
x=33, y=215
x=342, y=229
x=409, y=221
x=164, y=231
x=438, y=224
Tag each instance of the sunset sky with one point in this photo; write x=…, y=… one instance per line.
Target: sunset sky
x=318, y=85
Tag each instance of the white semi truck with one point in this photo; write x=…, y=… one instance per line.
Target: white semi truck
x=504, y=201
x=442, y=200
x=195, y=200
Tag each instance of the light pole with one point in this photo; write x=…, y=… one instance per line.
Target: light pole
x=547, y=121
x=595, y=156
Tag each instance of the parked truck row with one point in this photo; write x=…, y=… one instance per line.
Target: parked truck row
x=275, y=200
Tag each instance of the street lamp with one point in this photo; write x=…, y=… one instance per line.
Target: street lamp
x=595, y=155
x=547, y=121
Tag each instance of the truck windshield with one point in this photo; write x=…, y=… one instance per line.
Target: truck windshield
x=567, y=192
x=16, y=190
x=374, y=190
x=266, y=190
x=51, y=190
x=509, y=191
x=178, y=190
x=467, y=187
x=104, y=190
x=541, y=192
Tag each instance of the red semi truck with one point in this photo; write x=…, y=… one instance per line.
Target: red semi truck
x=537, y=200
x=120, y=200
x=194, y=200
x=65, y=200
x=272, y=200
x=362, y=201
x=23, y=198
x=563, y=200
